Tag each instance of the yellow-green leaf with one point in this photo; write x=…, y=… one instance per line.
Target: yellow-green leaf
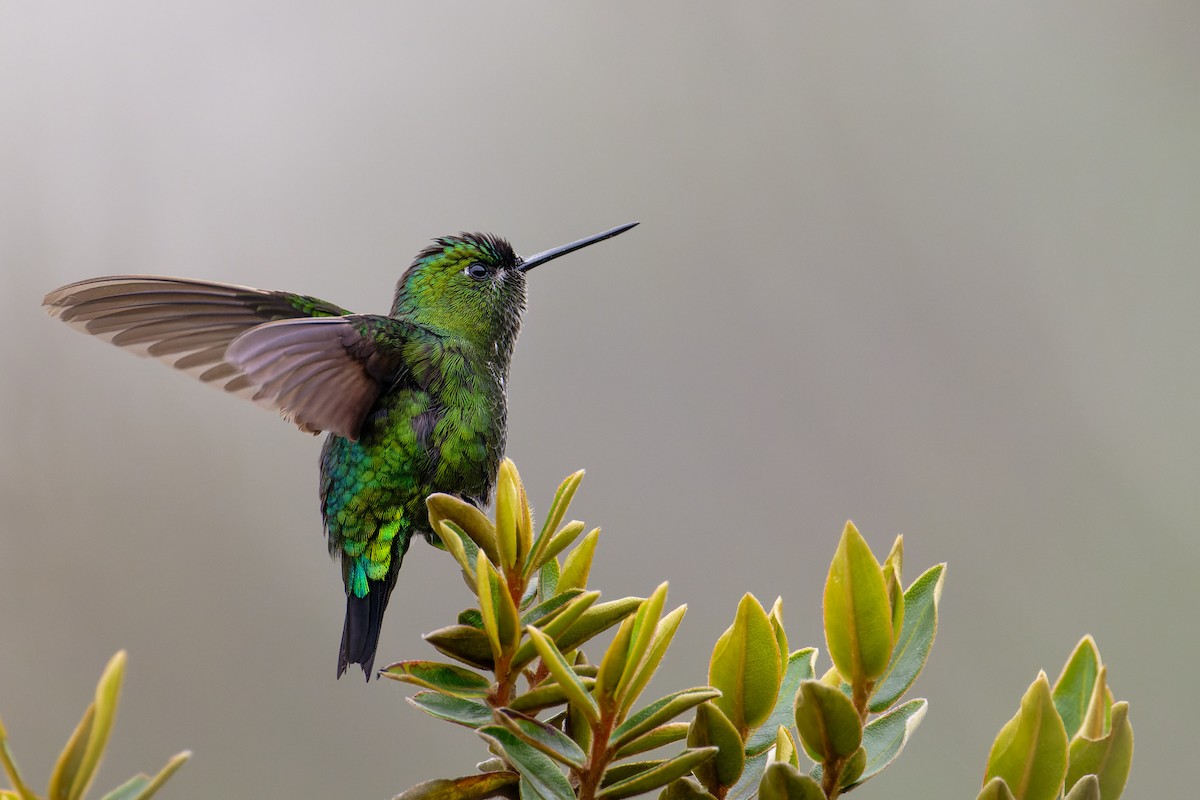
x=579, y=563
x=1108, y=758
x=1086, y=788
x=745, y=667
x=684, y=789
x=661, y=736
x=785, y=747
x=508, y=513
x=612, y=665
x=911, y=650
x=445, y=678
x=776, y=618
x=711, y=728
x=641, y=635
x=664, y=632
x=858, y=612
x=67, y=767
x=1073, y=689
x=557, y=627
x=996, y=789
x=1030, y=752
x=452, y=537
x=799, y=668
x=108, y=694
x=657, y=776
x=466, y=643
x=469, y=519
x=470, y=787
x=571, y=684
x=782, y=781
x=828, y=724
x=561, y=540
x=544, y=737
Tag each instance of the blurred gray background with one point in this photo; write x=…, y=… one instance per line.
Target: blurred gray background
x=931, y=266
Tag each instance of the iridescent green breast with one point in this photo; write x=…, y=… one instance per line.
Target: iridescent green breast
x=441, y=434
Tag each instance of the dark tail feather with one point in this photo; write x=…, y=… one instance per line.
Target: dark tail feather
x=364, y=620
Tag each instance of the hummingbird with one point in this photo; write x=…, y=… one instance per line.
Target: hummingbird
x=413, y=402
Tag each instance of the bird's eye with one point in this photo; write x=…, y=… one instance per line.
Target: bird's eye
x=477, y=271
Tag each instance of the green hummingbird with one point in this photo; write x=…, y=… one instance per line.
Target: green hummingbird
x=414, y=402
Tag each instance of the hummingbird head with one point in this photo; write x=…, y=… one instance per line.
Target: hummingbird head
x=472, y=287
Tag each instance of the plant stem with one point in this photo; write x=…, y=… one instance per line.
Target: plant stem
x=598, y=758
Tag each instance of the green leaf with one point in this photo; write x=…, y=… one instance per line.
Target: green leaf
x=71, y=757
x=658, y=776
x=612, y=665
x=916, y=639
x=130, y=789
x=579, y=563
x=470, y=787
x=1108, y=758
x=548, y=739
x=543, y=612
x=545, y=695
x=464, y=643
x=642, y=634
x=554, y=517
x=799, y=668
x=782, y=781
x=469, y=519
x=470, y=616
x=776, y=618
x=548, y=577
x=558, y=625
x=684, y=789
x=596, y=619
x=785, y=747
x=664, y=632
x=663, y=735
x=853, y=769
x=996, y=789
x=1099, y=712
x=143, y=787
x=579, y=728
x=711, y=728
x=747, y=785
x=536, y=767
x=108, y=693
x=576, y=693
x=884, y=737
x=827, y=721
x=745, y=667
x=454, y=540
x=452, y=709
x=508, y=517
x=893, y=566
x=1073, y=689
x=1086, y=788
x=1030, y=752
x=858, y=615
x=501, y=622
x=658, y=712
x=562, y=540
x=445, y=678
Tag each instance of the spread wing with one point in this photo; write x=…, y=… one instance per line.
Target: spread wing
x=190, y=325
x=324, y=374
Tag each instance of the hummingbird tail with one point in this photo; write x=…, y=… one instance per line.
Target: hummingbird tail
x=364, y=620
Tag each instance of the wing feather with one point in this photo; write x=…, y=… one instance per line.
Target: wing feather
x=185, y=323
x=321, y=373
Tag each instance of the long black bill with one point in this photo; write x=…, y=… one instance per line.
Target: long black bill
x=555, y=252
